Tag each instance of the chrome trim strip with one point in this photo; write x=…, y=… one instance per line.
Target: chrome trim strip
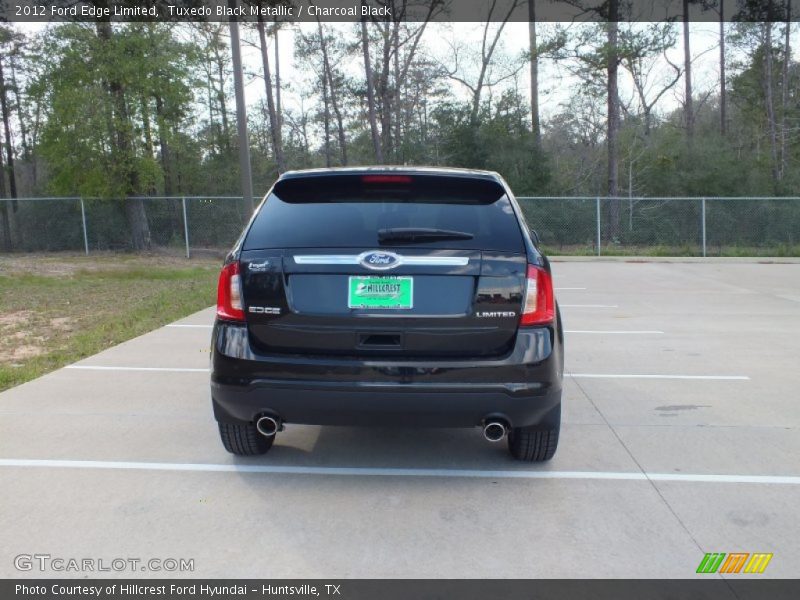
x=326, y=259
x=439, y=261
x=353, y=259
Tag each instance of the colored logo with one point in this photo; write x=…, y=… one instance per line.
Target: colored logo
x=735, y=562
x=379, y=261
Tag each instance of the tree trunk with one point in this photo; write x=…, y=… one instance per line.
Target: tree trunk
x=687, y=76
x=398, y=79
x=37, y=122
x=536, y=127
x=222, y=101
x=769, y=96
x=373, y=123
x=163, y=144
x=326, y=119
x=328, y=74
x=176, y=212
x=723, y=100
x=146, y=127
x=7, y=247
x=262, y=135
x=12, y=180
x=4, y=213
x=304, y=130
x=211, y=91
x=273, y=117
x=613, y=119
x=23, y=128
x=787, y=57
x=135, y=212
x=148, y=138
x=278, y=109
x=385, y=92
x=26, y=153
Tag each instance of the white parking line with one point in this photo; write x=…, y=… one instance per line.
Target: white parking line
x=573, y=375
x=397, y=472
x=588, y=306
x=188, y=326
x=604, y=331
x=157, y=369
x=558, y=289
x=642, y=376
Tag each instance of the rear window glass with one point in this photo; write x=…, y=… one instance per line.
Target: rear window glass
x=348, y=211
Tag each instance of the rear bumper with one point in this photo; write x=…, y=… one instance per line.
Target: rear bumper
x=320, y=403
x=520, y=388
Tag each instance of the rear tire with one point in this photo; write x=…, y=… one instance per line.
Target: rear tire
x=537, y=443
x=244, y=439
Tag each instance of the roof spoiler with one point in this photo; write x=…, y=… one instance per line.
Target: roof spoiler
x=389, y=187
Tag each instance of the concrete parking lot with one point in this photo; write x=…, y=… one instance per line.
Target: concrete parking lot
x=681, y=436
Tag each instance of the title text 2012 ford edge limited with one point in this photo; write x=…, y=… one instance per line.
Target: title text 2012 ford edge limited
x=388, y=296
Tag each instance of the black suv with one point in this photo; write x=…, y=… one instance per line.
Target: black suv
x=388, y=296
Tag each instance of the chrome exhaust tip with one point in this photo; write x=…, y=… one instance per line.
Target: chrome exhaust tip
x=267, y=426
x=495, y=431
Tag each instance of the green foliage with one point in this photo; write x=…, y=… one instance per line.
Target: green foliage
x=80, y=140
x=501, y=142
x=667, y=167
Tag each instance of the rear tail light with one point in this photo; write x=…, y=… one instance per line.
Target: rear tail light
x=539, y=306
x=229, y=293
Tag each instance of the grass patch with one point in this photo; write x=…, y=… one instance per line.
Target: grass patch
x=76, y=309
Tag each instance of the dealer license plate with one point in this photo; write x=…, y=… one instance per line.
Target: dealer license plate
x=380, y=292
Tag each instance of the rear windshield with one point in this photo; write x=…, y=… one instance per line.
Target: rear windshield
x=348, y=211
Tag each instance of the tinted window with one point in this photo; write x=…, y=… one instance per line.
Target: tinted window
x=346, y=212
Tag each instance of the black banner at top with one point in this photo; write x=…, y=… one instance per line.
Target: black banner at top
x=394, y=10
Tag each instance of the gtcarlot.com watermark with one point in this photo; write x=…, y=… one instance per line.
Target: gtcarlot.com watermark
x=46, y=563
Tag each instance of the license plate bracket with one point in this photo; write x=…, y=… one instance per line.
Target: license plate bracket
x=380, y=292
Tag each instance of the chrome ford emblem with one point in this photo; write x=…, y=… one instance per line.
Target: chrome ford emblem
x=379, y=261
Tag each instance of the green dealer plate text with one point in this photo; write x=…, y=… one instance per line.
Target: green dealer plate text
x=380, y=292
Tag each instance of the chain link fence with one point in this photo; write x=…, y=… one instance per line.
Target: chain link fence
x=764, y=226
x=183, y=224
x=745, y=226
